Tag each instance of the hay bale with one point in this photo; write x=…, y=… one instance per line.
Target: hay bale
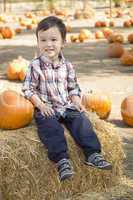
x=26, y=172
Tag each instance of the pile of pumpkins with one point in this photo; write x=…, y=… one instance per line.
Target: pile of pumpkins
x=116, y=49
x=17, y=69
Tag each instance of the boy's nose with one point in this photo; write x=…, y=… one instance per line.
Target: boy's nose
x=49, y=43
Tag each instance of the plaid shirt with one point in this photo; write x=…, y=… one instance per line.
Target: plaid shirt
x=53, y=84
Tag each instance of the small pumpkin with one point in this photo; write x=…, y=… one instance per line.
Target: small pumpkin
x=98, y=24
x=15, y=110
x=74, y=38
x=107, y=32
x=115, y=50
x=127, y=58
x=7, y=33
x=97, y=102
x=127, y=24
x=22, y=73
x=115, y=37
x=127, y=110
x=130, y=38
x=99, y=35
x=85, y=33
x=14, y=68
x=111, y=24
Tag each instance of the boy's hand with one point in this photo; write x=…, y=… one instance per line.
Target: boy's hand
x=79, y=107
x=77, y=103
x=46, y=109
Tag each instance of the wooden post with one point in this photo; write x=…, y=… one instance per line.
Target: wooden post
x=110, y=6
x=4, y=5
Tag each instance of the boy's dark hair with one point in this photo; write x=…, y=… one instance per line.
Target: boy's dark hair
x=49, y=22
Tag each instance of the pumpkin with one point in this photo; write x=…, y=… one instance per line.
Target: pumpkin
x=7, y=32
x=111, y=23
x=115, y=37
x=29, y=26
x=103, y=24
x=85, y=33
x=127, y=110
x=78, y=14
x=97, y=102
x=14, y=68
x=18, y=30
x=81, y=37
x=127, y=24
x=74, y=38
x=115, y=50
x=99, y=35
x=107, y=32
x=69, y=28
x=22, y=73
x=15, y=110
x=127, y=58
x=130, y=38
x=98, y=24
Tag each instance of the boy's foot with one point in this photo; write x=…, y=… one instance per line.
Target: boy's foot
x=97, y=160
x=65, y=169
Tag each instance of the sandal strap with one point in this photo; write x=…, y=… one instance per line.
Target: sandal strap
x=96, y=157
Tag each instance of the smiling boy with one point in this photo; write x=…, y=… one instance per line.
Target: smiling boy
x=51, y=85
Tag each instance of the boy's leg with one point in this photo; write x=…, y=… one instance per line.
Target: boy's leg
x=82, y=131
x=51, y=134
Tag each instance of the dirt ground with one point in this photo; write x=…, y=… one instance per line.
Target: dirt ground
x=96, y=72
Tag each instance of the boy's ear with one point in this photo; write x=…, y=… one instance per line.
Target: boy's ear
x=64, y=43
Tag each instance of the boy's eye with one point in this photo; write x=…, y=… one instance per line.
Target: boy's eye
x=43, y=40
x=54, y=39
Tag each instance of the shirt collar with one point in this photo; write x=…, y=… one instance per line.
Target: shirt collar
x=47, y=62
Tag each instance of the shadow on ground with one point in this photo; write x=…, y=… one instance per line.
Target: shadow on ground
x=89, y=58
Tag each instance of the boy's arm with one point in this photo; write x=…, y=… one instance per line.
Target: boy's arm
x=74, y=89
x=30, y=91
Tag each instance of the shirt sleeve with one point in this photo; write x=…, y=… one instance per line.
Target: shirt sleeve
x=30, y=83
x=73, y=87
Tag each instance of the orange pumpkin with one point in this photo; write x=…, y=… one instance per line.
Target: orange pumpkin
x=98, y=24
x=127, y=24
x=115, y=37
x=97, y=102
x=13, y=70
x=15, y=67
x=15, y=110
x=78, y=14
x=115, y=50
x=99, y=35
x=127, y=110
x=22, y=73
x=130, y=38
x=111, y=23
x=127, y=58
x=7, y=33
x=85, y=33
x=107, y=32
x=74, y=38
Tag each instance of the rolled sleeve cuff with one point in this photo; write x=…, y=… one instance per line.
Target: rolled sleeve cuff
x=75, y=92
x=28, y=94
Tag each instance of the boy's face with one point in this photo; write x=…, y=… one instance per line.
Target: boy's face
x=50, y=43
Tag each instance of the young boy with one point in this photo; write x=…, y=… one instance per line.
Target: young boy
x=52, y=87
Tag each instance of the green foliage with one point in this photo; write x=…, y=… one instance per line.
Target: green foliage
x=117, y=1
x=21, y=1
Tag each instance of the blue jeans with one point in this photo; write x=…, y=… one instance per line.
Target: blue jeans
x=51, y=133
